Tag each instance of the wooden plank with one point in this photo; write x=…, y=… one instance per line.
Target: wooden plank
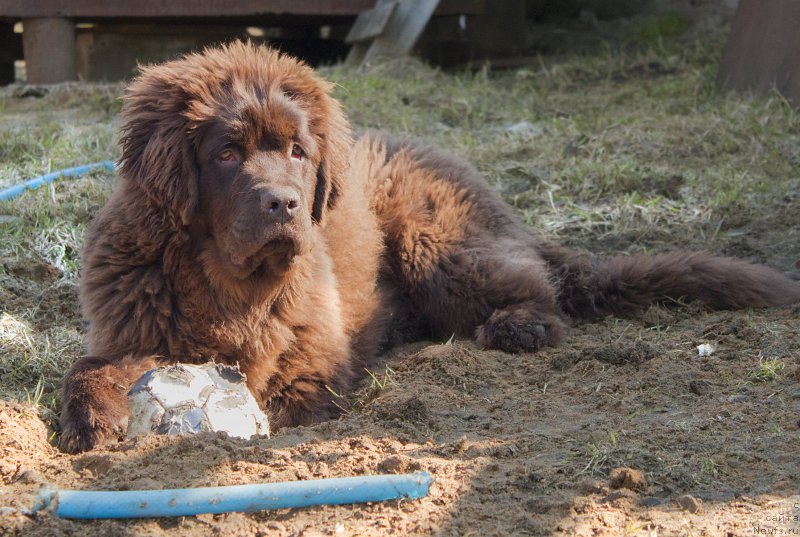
x=763, y=47
x=49, y=47
x=89, y=9
x=358, y=51
x=403, y=29
x=371, y=23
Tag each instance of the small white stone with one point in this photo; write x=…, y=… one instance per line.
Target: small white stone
x=705, y=349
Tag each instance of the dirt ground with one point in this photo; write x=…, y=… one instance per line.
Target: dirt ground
x=626, y=429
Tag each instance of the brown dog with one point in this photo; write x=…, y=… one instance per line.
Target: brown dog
x=249, y=228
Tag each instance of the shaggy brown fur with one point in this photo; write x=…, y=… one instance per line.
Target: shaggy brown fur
x=249, y=228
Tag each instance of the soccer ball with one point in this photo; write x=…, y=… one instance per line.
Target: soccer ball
x=188, y=399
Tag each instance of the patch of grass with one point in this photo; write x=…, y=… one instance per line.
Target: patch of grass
x=67, y=126
x=775, y=429
x=33, y=360
x=359, y=400
x=40, y=328
x=768, y=369
x=667, y=25
x=49, y=224
x=709, y=467
x=599, y=453
x=377, y=384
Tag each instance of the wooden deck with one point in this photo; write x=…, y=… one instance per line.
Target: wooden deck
x=49, y=37
x=88, y=9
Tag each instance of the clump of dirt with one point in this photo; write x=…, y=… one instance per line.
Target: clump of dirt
x=627, y=478
x=22, y=434
x=26, y=458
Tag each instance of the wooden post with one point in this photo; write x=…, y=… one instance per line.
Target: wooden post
x=369, y=24
x=49, y=47
x=762, y=50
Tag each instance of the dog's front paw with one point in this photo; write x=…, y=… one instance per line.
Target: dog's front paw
x=95, y=407
x=82, y=433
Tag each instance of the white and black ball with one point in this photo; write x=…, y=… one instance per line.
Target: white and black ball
x=188, y=399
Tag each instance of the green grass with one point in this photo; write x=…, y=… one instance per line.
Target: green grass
x=627, y=139
x=654, y=30
x=600, y=454
x=768, y=369
x=628, y=147
x=71, y=124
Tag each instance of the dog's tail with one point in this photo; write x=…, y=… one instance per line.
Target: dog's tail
x=592, y=286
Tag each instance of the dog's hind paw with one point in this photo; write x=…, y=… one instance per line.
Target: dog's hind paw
x=516, y=329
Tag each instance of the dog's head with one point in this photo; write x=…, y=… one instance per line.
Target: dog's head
x=241, y=145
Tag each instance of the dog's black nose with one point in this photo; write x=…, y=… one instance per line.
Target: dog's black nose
x=280, y=204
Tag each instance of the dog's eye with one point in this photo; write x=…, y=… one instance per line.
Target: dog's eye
x=297, y=152
x=227, y=155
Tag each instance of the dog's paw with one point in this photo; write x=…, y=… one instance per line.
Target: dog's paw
x=518, y=330
x=88, y=426
x=95, y=408
x=76, y=438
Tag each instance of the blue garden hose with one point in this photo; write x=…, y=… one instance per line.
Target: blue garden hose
x=85, y=504
x=36, y=182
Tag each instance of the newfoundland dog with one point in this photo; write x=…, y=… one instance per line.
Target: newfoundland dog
x=249, y=227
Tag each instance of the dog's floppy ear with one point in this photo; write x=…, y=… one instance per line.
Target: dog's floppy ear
x=337, y=143
x=156, y=152
x=329, y=127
